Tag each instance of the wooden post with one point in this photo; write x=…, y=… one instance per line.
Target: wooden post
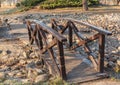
x=40, y=40
x=70, y=35
x=62, y=61
x=101, y=52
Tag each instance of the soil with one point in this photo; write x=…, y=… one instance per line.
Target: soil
x=19, y=31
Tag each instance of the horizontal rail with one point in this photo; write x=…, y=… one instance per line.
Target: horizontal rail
x=99, y=29
x=49, y=30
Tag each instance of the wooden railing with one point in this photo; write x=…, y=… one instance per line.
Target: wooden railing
x=83, y=41
x=38, y=32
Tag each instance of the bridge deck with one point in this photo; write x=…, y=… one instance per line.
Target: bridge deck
x=79, y=68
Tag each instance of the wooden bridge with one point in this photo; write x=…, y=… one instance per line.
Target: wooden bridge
x=57, y=47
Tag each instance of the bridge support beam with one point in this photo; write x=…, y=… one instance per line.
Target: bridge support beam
x=101, y=52
x=62, y=61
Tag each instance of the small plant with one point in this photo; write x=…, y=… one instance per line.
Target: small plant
x=58, y=81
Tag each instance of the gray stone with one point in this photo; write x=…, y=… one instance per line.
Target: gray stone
x=41, y=78
x=113, y=58
x=30, y=65
x=111, y=64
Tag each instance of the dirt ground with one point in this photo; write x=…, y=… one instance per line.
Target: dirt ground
x=72, y=10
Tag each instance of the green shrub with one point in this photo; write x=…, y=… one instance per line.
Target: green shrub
x=29, y=3
x=51, y=4
x=18, y=5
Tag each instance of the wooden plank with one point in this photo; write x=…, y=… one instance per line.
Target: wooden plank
x=89, y=78
x=99, y=29
x=82, y=42
x=88, y=51
x=51, y=44
x=50, y=30
x=51, y=53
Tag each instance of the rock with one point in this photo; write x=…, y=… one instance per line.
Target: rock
x=30, y=65
x=8, y=52
x=24, y=54
x=119, y=48
x=11, y=74
x=2, y=76
x=105, y=63
x=22, y=62
x=20, y=75
x=40, y=63
x=118, y=62
x=39, y=71
x=41, y=78
x=25, y=81
x=4, y=53
x=32, y=55
x=110, y=64
x=5, y=68
x=12, y=62
x=0, y=51
x=31, y=74
x=113, y=58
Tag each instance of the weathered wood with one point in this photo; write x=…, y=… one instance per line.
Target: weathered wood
x=99, y=29
x=70, y=37
x=62, y=61
x=82, y=42
x=91, y=57
x=29, y=30
x=51, y=53
x=40, y=40
x=51, y=31
x=51, y=44
x=61, y=30
x=101, y=52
